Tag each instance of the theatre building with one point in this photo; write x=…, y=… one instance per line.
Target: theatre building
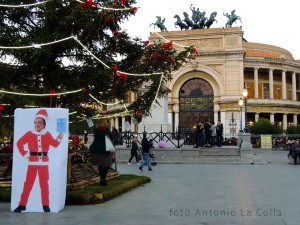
x=210, y=84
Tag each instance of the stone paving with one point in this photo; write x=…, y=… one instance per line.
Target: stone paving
x=205, y=194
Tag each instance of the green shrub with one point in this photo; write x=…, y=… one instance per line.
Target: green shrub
x=293, y=130
x=264, y=126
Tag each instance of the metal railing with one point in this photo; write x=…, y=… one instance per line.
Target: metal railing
x=176, y=139
x=183, y=137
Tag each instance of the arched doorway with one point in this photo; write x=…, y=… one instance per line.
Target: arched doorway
x=195, y=103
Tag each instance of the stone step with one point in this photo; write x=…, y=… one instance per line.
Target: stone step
x=228, y=154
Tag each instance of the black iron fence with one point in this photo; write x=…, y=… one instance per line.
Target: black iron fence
x=189, y=137
x=176, y=139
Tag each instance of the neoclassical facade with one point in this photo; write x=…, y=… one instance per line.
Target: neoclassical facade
x=210, y=84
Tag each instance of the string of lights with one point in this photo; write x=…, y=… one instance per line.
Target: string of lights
x=46, y=1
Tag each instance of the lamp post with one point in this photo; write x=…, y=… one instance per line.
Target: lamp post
x=241, y=103
x=245, y=94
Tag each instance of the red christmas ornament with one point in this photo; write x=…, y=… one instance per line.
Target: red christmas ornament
x=109, y=20
x=150, y=46
x=115, y=69
x=116, y=34
x=195, y=51
x=90, y=3
x=122, y=75
x=139, y=112
x=53, y=92
x=84, y=90
x=146, y=42
x=169, y=60
x=155, y=55
x=123, y=2
x=168, y=45
x=135, y=10
x=1, y=108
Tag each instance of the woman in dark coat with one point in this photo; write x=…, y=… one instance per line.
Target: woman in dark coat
x=100, y=157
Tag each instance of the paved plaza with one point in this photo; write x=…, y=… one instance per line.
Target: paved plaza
x=205, y=194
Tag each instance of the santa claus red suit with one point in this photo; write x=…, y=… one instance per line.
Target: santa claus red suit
x=35, y=145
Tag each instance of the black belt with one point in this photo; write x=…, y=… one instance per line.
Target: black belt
x=38, y=153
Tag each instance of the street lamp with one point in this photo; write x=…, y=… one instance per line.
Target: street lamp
x=245, y=94
x=241, y=103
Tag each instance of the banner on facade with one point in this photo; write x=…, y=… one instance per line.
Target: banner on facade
x=40, y=159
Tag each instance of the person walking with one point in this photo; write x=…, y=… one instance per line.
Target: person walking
x=200, y=134
x=219, y=132
x=213, y=134
x=146, y=145
x=207, y=133
x=100, y=157
x=133, y=151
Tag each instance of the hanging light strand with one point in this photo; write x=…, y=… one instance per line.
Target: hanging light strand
x=44, y=2
x=40, y=95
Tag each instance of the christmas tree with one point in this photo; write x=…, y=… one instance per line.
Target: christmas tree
x=70, y=53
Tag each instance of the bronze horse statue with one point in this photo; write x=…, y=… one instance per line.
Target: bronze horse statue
x=232, y=18
x=211, y=20
x=179, y=23
x=160, y=24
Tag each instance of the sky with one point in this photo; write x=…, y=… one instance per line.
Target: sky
x=263, y=21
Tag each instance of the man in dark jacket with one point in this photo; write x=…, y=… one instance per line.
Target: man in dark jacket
x=219, y=131
x=146, y=145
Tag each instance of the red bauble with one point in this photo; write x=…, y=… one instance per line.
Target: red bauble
x=90, y=3
x=53, y=92
x=122, y=75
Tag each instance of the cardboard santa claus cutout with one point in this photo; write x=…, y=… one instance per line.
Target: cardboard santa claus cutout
x=40, y=160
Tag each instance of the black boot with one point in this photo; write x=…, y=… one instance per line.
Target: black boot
x=103, y=182
x=20, y=208
x=46, y=208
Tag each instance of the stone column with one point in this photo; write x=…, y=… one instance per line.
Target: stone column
x=123, y=123
x=133, y=126
x=271, y=84
x=284, y=121
x=283, y=86
x=216, y=110
x=295, y=119
x=294, y=91
x=112, y=123
x=256, y=117
x=256, y=82
x=272, y=120
x=117, y=123
x=176, y=120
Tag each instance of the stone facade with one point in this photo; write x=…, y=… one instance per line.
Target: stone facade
x=227, y=62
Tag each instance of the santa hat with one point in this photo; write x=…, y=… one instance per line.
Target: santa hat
x=42, y=113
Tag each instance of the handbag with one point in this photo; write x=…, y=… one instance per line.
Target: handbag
x=109, y=146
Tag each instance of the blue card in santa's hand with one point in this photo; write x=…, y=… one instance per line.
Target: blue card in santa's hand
x=61, y=125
